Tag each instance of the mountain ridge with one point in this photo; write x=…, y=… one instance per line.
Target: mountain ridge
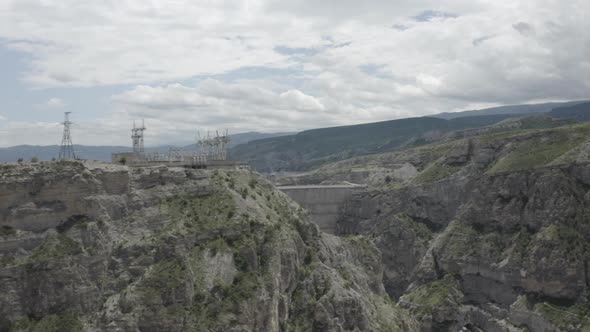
x=312, y=148
x=517, y=109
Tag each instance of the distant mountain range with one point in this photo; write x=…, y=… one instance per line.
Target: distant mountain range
x=514, y=110
x=311, y=148
x=241, y=138
x=579, y=112
x=48, y=152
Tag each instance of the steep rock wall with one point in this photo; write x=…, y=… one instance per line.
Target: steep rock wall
x=171, y=249
x=507, y=237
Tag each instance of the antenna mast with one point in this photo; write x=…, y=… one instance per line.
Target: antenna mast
x=66, y=150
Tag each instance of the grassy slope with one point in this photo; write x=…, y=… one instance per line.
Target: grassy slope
x=521, y=150
x=510, y=109
x=542, y=150
x=580, y=112
x=515, y=149
x=314, y=147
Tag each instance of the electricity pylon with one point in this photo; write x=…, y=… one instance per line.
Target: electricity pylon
x=66, y=150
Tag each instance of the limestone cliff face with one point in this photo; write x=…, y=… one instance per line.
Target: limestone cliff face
x=492, y=233
x=95, y=248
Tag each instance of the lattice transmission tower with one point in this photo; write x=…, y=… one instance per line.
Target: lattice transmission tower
x=137, y=137
x=66, y=150
x=214, y=148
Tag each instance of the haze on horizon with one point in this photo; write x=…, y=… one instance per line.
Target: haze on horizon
x=272, y=66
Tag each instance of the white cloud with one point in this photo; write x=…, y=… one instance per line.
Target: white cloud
x=214, y=105
x=95, y=43
x=342, y=61
x=14, y=133
x=55, y=103
x=2, y=118
x=297, y=100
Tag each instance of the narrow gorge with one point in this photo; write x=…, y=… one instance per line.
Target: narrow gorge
x=481, y=231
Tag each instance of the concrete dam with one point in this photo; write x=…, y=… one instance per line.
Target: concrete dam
x=324, y=202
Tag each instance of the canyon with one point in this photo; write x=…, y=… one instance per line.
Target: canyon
x=485, y=230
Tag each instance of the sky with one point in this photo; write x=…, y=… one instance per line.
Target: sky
x=275, y=66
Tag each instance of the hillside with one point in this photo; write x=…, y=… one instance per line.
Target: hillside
x=518, y=110
x=489, y=231
x=314, y=147
x=484, y=231
x=579, y=112
x=91, y=247
x=543, y=139
x=242, y=138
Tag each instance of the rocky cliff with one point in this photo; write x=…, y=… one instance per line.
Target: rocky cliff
x=487, y=232
x=109, y=248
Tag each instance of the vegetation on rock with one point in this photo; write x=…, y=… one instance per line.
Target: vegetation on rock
x=183, y=250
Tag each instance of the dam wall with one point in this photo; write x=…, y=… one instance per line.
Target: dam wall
x=324, y=202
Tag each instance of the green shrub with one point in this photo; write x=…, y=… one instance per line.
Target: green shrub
x=244, y=193
x=217, y=246
x=56, y=248
x=67, y=322
x=6, y=230
x=435, y=172
x=435, y=295
x=252, y=183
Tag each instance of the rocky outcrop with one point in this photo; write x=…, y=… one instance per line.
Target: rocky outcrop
x=492, y=235
x=39, y=197
x=95, y=248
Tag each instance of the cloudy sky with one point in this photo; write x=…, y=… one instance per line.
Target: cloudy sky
x=275, y=65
